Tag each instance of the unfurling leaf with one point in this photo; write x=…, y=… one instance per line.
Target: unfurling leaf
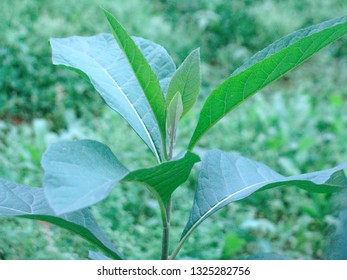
x=174, y=113
x=186, y=80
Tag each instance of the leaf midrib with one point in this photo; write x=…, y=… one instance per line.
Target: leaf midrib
x=127, y=99
x=193, y=143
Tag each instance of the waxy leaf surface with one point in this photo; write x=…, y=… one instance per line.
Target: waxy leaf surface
x=100, y=60
x=225, y=178
x=144, y=74
x=27, y=202
x=79, y=174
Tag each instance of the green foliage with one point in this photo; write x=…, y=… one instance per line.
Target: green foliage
x=111, y=75
x=144, y=175
x=186, y=81
x=238, y=177
x=24, y=53
x=163, y=179
x=145, y=77
x=85, y=170
x=174, y=113
x=26, y=202
x=265, y=67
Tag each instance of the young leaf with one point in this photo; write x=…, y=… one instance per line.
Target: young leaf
x=174, y=113
x=143, y=72
x=27, y=202
x=101, y=61
x=226, y=177
x=164, y=178
x=186, y=80
x=265, y=67
x=79, y=174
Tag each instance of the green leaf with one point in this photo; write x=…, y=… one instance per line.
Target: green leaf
x=27, y=202
x=144, y=74
x=186, y=80
x=265, y=67
x=79, y=174
x=101, y=61
x=164, y=178
x=174, y=112
x=225, y=178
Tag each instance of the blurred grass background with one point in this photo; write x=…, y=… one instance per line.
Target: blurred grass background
x=298, y=124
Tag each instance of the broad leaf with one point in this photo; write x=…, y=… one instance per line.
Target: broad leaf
x=265, y=67
x=186, y=80
x=101, y=61
x=144, y=74
x=164, y=178
x=174, y=112
x=226, y=177
x=79, y=174
x=27, y=202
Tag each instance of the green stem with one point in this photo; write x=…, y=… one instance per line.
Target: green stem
x=165, y=249
x=177, y=249
x=165, y=245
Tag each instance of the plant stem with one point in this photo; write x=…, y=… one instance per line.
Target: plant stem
x=166, y=233
x=165, y=245
x=176, y=250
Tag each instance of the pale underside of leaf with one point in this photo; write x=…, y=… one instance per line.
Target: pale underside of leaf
x=27, y=202
x=101, y=61
x=265, y=67
x=225, y=178
x=79, y=174
x=144, y=74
